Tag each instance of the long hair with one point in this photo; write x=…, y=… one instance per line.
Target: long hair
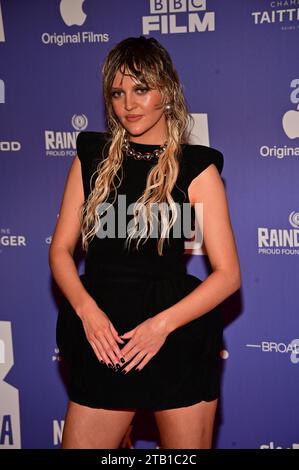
x=150, y=64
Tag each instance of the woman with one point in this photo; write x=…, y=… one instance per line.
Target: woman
x=136, y=330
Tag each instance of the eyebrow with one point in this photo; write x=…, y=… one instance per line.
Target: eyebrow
x=135, y=86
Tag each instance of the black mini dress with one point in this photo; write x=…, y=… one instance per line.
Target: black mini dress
x=131, y=286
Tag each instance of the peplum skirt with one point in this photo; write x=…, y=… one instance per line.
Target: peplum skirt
x=186, y=369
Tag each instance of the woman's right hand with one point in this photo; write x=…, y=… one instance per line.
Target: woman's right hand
x=101, y=335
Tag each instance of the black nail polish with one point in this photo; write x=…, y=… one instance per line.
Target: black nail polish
x=122, y=360
x=117, y=366
x=110, y=365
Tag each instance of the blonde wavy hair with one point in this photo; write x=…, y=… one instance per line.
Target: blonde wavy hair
x=149, y=64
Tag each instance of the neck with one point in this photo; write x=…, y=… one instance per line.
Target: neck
x=157, y=135
x=147, y=140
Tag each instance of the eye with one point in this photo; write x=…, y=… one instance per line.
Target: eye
x=116, y=94
x=141, y=90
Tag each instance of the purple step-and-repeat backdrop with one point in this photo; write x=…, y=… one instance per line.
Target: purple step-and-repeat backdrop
x=238, y=62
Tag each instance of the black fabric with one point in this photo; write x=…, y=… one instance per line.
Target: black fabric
x=131, y=286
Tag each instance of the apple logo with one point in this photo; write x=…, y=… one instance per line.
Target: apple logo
x=71, y=12
x=290, y=123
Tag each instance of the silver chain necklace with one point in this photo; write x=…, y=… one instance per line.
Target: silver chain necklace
x=143, y=156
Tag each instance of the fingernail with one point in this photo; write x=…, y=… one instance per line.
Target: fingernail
x=117, y=366
x=122, y=360
x=110, y=365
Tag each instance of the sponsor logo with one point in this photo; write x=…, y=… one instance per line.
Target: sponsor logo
x=198, y=130
x=57, y=431
x=63, y=143
x=72, y=14
x=280, y=241
x=10, y=436
x=8, y=239
x=77, y=38
x=290, y=125
x=2, y=92
x=2, y=35
x=291, y=349
x=283, y=13
x=79, y=122
x=10, y=146
x=178, y=17
x=56, y=356
x=290, y=120
x=271, y=445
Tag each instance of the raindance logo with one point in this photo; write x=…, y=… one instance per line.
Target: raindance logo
x=63, y=143
x=282, y=241
x=284, y=13
x=290, y=125
x=291, y=348
x=178, y=16
x=72, y=14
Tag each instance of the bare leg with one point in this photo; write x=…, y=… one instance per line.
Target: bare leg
x=189, y=427
x=94, y=428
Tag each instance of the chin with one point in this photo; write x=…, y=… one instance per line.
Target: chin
x=135, y=131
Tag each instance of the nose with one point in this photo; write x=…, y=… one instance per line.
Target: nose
x=129, y=101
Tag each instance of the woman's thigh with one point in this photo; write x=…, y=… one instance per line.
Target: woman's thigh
x=187, y=427
x=94, y=428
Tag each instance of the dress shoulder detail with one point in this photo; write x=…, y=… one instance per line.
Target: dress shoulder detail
x=198, y=157
x=90, y=150
x=89, y=144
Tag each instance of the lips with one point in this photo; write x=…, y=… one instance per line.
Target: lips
x=133, y=117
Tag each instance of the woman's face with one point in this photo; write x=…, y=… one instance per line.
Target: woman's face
x=138, y=109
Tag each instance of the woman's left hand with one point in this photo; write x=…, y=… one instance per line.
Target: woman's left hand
x=145, y=341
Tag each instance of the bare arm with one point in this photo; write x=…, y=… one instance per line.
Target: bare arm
x=225, y=279
x=99, y=331
x=64, y=240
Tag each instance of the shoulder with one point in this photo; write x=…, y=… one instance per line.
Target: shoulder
x=196, y=158
x=89, y=144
